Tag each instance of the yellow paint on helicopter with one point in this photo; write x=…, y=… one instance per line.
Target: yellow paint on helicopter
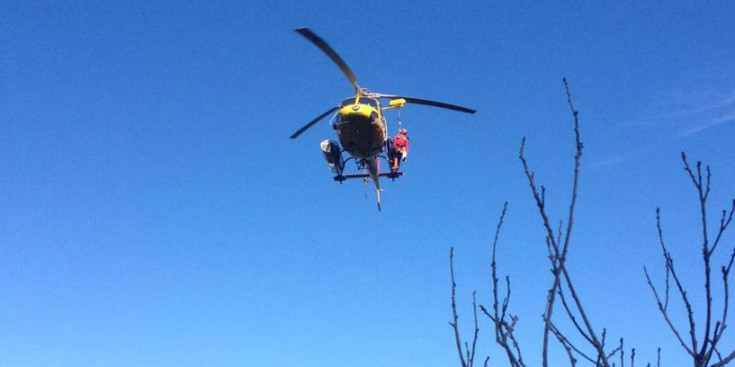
x=357, y=110
x=397, y=103
x=360, y=107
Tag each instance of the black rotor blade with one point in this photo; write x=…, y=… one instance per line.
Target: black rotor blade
x=324, y=46
x=313, y=122
x=427, y=102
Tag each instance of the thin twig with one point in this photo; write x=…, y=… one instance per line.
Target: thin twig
x=503, y=329
x=455, y=317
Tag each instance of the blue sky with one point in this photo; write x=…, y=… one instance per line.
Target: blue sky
x=154, y=212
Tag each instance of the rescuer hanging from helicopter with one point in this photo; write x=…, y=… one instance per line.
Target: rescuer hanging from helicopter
x=399, y=149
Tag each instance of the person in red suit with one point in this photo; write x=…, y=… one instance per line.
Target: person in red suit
x=400, y=149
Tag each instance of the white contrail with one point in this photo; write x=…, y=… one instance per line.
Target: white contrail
x=712, y=106
x=712, y=123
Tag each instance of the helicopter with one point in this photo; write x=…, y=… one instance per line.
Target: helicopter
x=360, y=124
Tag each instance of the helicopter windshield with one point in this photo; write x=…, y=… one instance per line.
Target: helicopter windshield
x=363, y=100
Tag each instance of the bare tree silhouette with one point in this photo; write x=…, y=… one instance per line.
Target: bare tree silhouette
x=466, y=357
x=702, y=354
x=587, y=344
x=557, y=245
x=504, y=323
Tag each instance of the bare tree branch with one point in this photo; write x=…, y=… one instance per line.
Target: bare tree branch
x=669, y=265
x=503, y=329
x=568, y=346
x=558, y=247
x=724, y=361
x=713, y=329
x=665, y=313
x=571, y=317
x=632, y=357
x=467, y=361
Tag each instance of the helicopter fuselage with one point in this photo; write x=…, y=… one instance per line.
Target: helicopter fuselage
x=361, y=128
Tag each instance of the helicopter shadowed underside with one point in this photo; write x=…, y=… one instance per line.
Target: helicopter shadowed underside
x=361, y=137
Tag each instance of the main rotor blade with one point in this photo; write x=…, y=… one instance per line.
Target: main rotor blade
x=427, y=102
x=313, y=122
x=324, y=46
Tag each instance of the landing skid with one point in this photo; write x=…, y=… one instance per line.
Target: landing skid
x=391, y=175
x=362, y=164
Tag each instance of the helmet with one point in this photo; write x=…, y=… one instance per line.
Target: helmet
x=403, y=131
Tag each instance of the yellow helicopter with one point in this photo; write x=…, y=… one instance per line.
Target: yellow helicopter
x=360, y=124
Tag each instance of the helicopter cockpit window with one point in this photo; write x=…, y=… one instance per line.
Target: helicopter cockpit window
x=369, y=102
x=347, y=102
x=365, y=101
